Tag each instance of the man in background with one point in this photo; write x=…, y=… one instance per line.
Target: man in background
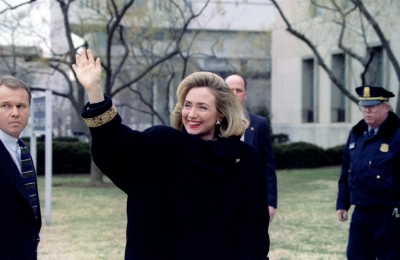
x=370, y=179
x=258, y=135
x=20, y=218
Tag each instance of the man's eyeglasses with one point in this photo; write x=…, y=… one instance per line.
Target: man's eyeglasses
x=369, y=108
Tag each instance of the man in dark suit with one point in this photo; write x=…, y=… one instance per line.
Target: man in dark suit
x=257, y=134
x=20, y=219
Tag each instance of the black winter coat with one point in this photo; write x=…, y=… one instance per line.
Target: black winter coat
x=188, y=198
x=371, y=167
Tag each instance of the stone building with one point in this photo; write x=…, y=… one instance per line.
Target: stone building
x=306, y=105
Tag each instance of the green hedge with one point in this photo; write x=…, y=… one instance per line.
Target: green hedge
x=305, y=155
x=72, y=156
x=68, y=157
x=334, y=155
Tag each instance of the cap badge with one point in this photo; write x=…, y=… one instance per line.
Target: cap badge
x=367, y=92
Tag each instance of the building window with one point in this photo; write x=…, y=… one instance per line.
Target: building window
x=317, y=8
x=374, y=75
x=140, y=3
x=188, y=6
x=308, y=92
x=162, y=5
x=320, y=7
x=90, y=4
x=338, y=104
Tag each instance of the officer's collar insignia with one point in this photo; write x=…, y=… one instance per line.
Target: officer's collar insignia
x=367, y=92
x=384, y=148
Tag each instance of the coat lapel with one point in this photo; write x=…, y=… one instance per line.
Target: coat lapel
x=11, y=170
x=249, y=134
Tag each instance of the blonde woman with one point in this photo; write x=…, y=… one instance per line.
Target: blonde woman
x=195, y=191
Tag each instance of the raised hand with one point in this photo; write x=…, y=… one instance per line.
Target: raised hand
x=88, y=72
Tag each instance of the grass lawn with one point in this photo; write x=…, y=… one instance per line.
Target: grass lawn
x=305, y=225
x=89, y=222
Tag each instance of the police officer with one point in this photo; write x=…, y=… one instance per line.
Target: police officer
x=370, y=179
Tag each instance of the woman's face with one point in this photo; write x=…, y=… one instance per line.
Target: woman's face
x=199, y=113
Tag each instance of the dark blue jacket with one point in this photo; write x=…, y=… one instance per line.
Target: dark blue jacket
x=19, y=230
x=257, y=134
x=371, y=166
x=187, y=198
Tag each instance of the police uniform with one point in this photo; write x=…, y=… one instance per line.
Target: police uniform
x=370, y=180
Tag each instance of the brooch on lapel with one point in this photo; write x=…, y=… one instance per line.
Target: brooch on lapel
x=384, y=148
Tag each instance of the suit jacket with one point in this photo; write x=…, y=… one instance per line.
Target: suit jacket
x=257, y=135
x=19, y=230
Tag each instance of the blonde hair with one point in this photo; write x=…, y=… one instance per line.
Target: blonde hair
x=235, y=120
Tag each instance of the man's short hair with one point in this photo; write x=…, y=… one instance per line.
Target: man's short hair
x=13, y=82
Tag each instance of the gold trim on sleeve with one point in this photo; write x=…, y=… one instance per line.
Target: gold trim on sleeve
x=102, y=119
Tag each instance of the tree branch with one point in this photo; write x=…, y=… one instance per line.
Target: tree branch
x=11, y=7
x=385, y=45
x=150, y=106
x=320, y=60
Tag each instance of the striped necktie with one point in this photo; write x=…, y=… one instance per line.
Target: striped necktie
x=28, y=175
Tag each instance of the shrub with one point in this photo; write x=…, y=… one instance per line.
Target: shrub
x=68, y=157
x=65, y=139
x=71, y=156
x=334, y=155
x=299, y=155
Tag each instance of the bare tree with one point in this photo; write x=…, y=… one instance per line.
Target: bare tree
x=352, y=20
x=145, y=52
x=123, y=67
x=385, y=44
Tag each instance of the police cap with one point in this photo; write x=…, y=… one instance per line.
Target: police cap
x=371, y=96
